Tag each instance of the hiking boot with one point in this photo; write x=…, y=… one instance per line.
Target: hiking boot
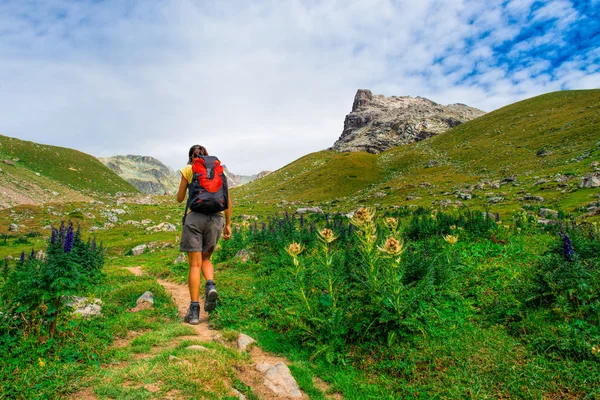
x=193, y=314
x=210, y=301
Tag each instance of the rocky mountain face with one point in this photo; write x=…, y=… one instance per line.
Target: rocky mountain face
x=151, y=176
x=378, y=123
x=147, y=174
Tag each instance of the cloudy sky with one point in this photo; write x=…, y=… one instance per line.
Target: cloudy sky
x=261, y=83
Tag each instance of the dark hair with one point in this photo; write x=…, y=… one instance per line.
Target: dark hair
x=195, y=151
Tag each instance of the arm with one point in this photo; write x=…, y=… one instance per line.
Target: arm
x=182, y=189
x=228, y=212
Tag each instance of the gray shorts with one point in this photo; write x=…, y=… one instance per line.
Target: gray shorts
x=201, y=232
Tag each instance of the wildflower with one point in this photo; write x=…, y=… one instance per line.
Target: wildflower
x=519, y=230
x=22, y=258
x=567, y=247
x=294, y=249
x=392, y=246
x=362, y=216
x=41, y=362
x=451, y=239
x=506, y=227
x=433, y=216
x=596, y=350
x=69, y=240
x=453, y=227
x=391, y=223
x=54, y=236
x=246, y=224
x=327, y=235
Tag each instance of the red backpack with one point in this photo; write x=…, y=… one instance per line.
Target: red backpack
x=207, y=192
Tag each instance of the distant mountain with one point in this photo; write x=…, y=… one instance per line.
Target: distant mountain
x=378, y=123
x=539, y=153
x=32, y=173
x=151, y=176
x=147, y=174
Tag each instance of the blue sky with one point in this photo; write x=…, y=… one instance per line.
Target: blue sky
x=263, y=83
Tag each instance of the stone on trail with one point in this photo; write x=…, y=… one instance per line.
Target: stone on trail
x=147, y=297
x=137, y=250
x=238, y=394
x=244, y=341
x=280, y=380
x=197, y=347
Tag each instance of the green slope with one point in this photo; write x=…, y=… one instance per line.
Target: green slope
x=535, y=139
x=38, y=173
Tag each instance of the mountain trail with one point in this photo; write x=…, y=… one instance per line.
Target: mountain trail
x=248, y=374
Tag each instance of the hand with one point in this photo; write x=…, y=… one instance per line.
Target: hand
x=227, y=232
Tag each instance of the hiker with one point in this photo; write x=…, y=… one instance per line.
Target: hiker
x=209, y=216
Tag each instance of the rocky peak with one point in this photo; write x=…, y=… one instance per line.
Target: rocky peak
x=378, y=123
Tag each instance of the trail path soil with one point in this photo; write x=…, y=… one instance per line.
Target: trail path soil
x=249, y=375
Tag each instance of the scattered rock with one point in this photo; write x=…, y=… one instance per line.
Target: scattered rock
x=314, y=210
x=147, y=297
x=465, y=196
x=85, y=307
x=594, y=164
x=8, y=162
x=432, y=163
x=137, y=250
x=494, y=184
x=219, y=339
x=113, y=219
x=132, y=222
x=244, y=341
x=40, y=255
x=180, y=259
x=13, y=227
x=540, y=182
x=561, y=178
x=425, y=185
x=37, y=174
x=379, y=194
x=590, y=181
x=546, y=212
x=244, y=255
x=279, y=379
x=495, y=199
x=118, y=211
x=246, y=217
x=108, y=225
x=510, y=179
x=94, y=228
x=146, y=221
x=534, y=198
x=239, y=395
x=162, y=227
x=543, y=221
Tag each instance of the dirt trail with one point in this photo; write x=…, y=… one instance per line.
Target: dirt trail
x=249, y=375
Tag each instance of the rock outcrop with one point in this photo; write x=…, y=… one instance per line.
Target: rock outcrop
x=378, y=123
x=147, y=174
x=238, y=180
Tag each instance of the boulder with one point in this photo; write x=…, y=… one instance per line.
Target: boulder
x=590, y=181
x=495, y=199
x=197, y=347
x=279, y=379
x=13, y=227
x=147, y=297
x=113, y=219
x=244, y=341
x=534, y=198
x=137, y=250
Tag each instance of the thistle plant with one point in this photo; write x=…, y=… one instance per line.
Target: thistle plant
x=294, y=249
x=364, y=220
x=326, y=237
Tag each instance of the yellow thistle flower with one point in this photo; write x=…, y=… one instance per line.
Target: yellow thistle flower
x=41, y=362
x=392, y=246
x=362, y=216
x=391, y=223
x=327, y=235
x=294, y=249
x=453, y=227
x=245, y=224
x=451, y=239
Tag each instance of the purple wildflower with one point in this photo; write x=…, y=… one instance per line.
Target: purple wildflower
x=568, y=251
x=22, y=259
x=301, y=220
x=69, y=239
x=32, y=254
x=263, y=226
x=93, y=246
x=54, y=236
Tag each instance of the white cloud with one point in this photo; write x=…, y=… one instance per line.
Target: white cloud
x=259, y=83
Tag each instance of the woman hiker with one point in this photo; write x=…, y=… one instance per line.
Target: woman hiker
x=210, y=215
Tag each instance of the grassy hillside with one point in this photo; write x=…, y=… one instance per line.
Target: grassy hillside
x=530, y=141
x=34, y=173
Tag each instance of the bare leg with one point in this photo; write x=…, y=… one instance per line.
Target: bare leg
x=195, y=260
x=207, y=267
